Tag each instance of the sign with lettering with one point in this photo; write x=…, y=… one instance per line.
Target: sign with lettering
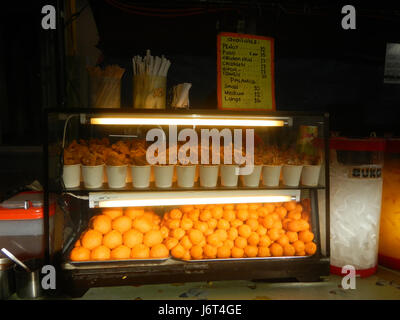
x=245, y=66
x=365, y=172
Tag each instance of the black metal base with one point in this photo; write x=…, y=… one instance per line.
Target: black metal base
x=77, y=281
x=76, y=292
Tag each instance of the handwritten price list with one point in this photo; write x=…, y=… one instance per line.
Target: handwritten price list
x=245, y=72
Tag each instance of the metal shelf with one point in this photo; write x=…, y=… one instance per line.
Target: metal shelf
x=196, y=187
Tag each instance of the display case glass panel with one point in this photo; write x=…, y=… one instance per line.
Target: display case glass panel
x=166, y=189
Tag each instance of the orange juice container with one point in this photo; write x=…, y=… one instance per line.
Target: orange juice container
x=389, y=236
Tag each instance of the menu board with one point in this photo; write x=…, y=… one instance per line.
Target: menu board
x=245, y=66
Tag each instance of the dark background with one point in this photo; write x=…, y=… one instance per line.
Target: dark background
x=318, y=65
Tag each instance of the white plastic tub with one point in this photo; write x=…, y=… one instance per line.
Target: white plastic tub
x=253, y=179
x=164, y=176
x=291, y=175
x=208, y=175
x=271, y=175
x=116, y=176
x=141, y=176
x=310, y=175
x=72, y=175
x=186, y=176
x=93, y=176
x=229, y=175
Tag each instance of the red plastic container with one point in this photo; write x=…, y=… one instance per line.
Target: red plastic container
x=21, y=225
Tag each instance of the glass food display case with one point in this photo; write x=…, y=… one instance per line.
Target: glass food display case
x=194, y=195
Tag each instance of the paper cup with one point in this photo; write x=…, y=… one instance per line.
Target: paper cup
x=163, y=176
x=271, y=175
x=310, y=175
x=186, y=176
x=116, y=176
x=253, y=179
x=72, y=175
x=93, y=176
x=141, y=176
x=229, y=176
x=291, y=175
x=208, y=175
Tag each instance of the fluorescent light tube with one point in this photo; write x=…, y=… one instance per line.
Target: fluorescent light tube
x=175, y=198
x=190, y=121
x=168, y=201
